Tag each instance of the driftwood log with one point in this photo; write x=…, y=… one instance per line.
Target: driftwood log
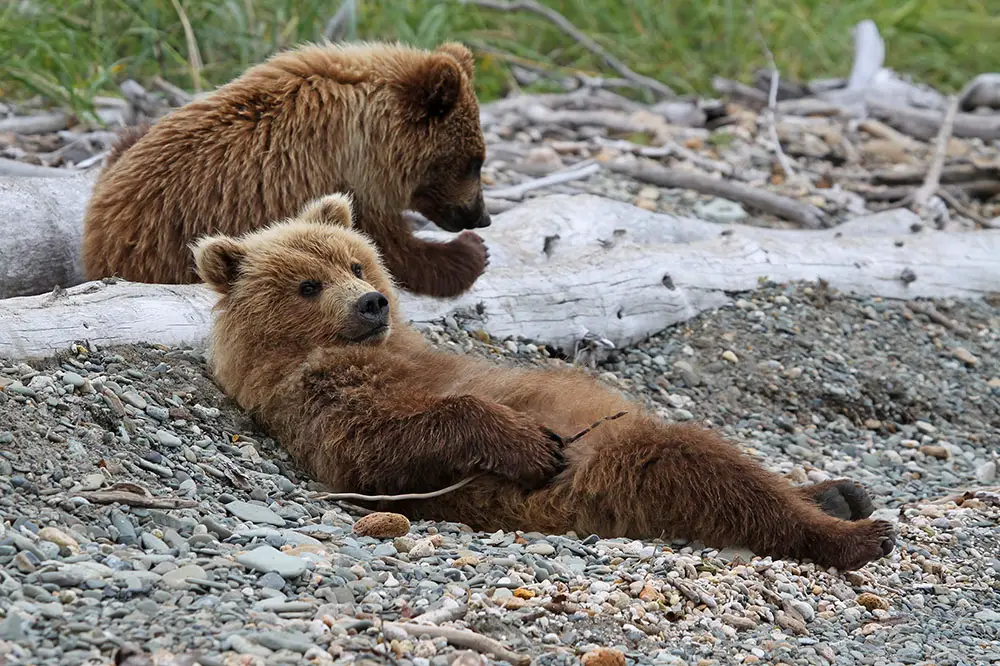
x=561, y=267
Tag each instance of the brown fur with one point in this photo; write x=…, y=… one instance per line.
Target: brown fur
x=395, y=126
x=389, y=414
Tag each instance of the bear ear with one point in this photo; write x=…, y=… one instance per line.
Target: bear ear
x=462, y=54
x=431, y=90
x=337, y=209
x=218, y=260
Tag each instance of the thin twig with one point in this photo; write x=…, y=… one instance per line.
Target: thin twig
x=176, y=95
x=394, y=498
x=962, y=209
x=588, y=43
x=466, y=639
x=517, y=192
x=933, y=180
x=613, y=417
x=772, y=97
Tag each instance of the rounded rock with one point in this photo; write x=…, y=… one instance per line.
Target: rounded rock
x=603, y=657
x=382, y=525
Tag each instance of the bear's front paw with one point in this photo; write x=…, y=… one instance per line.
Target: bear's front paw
x=533, y=460
x=472, y=255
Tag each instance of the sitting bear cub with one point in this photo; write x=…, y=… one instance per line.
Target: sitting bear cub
x=310, y=340
x=396, y=126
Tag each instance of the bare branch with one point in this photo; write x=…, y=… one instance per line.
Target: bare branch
x=466, y=639
x=587, y=42
x=772, y=98
x=933, y=179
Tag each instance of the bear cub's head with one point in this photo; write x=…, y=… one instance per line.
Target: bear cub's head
x=306, y=282
x=440, y=103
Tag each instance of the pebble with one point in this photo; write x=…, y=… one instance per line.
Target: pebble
x=722, y=211
x=382, y=525
x=872, y=601
x=935, y=451
x=267, y=559
x=603, y=657
x=965, y=356
x=254, y=513
x=987, y=472
x=168, y=439
x=177, y=578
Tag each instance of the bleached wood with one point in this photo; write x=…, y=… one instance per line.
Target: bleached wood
x=41, y=226
x=562, y=266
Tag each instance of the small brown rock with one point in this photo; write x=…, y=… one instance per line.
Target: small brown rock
x=964, y=355
x=603, y=657
x=872, y=601
x=60, y=538
x=883, y=150
x=469, y=658
x=523, y=593
x=935, y=451
x=650, y=593
x=382, y=525
x=514, y=603
x=738, y=622
x=792, y=624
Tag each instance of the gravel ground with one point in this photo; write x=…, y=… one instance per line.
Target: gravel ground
x=250, y=570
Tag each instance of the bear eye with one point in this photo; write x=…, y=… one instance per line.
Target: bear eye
x=309, y=288
x=356, y=269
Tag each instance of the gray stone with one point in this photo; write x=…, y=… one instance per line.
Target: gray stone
x=168, y=439
x=267, y=559
x=254, y=513
x=178, y=577
x=722, y=211
x=272, y=581
x=284, y=640
x=73, y=379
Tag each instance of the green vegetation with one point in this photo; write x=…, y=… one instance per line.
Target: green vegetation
x=70, y=50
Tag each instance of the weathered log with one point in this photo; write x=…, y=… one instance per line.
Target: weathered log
x=562, y=267
x=41, y=228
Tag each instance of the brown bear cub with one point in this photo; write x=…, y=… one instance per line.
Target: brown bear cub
x=396, y=127
x=310, y=340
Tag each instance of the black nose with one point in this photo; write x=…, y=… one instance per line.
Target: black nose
x=485, y=220
x=374, y=307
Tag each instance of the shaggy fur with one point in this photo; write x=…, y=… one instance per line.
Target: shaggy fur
x=395, y=126
x=310, y=340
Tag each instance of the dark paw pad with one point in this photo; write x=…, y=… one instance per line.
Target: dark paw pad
x=844, y=499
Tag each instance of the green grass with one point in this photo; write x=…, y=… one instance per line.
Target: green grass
x=67, y=51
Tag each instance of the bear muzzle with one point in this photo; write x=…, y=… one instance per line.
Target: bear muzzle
x=370, y=317
x=460, y=218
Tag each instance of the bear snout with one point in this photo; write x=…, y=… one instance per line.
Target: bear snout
x=484, y=219
x=373, y=307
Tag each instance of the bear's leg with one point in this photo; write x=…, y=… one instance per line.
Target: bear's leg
x=685, y=481
x=441, y=270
